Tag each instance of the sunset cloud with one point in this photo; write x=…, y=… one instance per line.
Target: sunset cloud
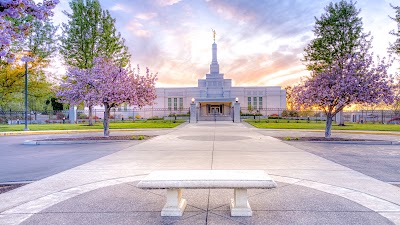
x=259, y=42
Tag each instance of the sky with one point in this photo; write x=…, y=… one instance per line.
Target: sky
x=260, y=42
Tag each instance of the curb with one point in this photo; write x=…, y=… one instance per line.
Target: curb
x=355, y=142
x=31, y=142
x=18, y=133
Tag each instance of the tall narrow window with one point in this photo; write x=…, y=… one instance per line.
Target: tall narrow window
x=249, y=103
x=175, y=103
x=180, y=103
x=260, y=102
x=169, y=104
x=254, y=102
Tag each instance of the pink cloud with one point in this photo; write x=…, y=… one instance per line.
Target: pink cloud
x=146, y=16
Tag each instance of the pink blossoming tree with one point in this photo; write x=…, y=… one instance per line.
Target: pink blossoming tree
x=109, y=85
x=10, y=31
x=350, y=80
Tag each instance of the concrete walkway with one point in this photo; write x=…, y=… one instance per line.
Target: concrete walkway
x=312, y=190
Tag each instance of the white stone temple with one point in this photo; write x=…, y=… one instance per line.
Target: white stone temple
x=214, y=97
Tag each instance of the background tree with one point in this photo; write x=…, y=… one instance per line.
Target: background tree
x=350, y=80
x=395, y=47
x=95, y=85
x=42, y=43
x=338, y=33
x=90, y=33
x=289, y=97
x=12, y=29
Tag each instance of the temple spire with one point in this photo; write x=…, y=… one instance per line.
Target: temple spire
x=214, y=66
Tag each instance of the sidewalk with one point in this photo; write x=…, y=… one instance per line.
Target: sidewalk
x=311, y=190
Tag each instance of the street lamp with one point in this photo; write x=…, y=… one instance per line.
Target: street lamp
x=192, y=100
x=26, y=59
x=237, y=99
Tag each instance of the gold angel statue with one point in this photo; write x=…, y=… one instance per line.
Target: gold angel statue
x=214, y=33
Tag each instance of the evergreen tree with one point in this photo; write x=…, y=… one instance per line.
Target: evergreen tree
x=338, y=33
x=90, y=33
x=395, y=47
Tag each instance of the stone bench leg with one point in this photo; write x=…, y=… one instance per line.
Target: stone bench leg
x=239, y=204
x=175, y=203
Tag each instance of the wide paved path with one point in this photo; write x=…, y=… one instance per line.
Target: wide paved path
x=312, y=190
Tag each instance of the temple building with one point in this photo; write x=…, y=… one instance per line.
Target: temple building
x=215, y=96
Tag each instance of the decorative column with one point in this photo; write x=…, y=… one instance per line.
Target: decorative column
x=236, y=112
x=72, y=114
x=193, y=117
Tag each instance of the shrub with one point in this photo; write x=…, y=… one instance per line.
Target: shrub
x=60, y=115
x=138, y=116
x=290, y=113
x=82, y=116
x=155, y=118
x=274, y=117
x=251, y=114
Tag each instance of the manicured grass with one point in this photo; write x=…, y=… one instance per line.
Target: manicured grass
x=320, y=125
x=125, y=125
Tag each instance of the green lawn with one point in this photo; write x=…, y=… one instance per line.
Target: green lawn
x=125, y=125
x=320, y=125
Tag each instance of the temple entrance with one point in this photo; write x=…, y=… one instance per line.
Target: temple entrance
x=215, y=110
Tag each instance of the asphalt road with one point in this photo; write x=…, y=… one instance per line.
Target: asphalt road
x=24, y=163
x=379, y=161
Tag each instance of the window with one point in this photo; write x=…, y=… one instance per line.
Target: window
x=180, y=103
x=260, y=102
x=175, y=103
x=169, y=104
x=254, y=102
x=249, y=103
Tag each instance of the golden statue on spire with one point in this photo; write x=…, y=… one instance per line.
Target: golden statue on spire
x=214, y=33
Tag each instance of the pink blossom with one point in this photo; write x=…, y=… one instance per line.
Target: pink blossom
x=17, y=9
x=350, y=80
x=108, y=85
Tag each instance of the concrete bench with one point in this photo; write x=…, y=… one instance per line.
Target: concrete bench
x=176, y=180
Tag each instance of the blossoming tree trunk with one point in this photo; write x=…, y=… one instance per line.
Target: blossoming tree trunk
x=90, y=115
x=106, y=121
x=328, y=126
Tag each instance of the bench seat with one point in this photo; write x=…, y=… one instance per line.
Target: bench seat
x=176, y=180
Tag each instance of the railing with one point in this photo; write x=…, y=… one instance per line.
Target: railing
x=52, y=116
x=360, y=116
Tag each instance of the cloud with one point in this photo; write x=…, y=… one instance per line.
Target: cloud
x=137, y=29
x=120, y=7
x=146, y=16
x=167, y=2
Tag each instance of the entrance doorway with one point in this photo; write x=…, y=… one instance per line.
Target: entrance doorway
x=215, y=110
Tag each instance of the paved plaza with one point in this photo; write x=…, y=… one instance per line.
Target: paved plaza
x=311, y=189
